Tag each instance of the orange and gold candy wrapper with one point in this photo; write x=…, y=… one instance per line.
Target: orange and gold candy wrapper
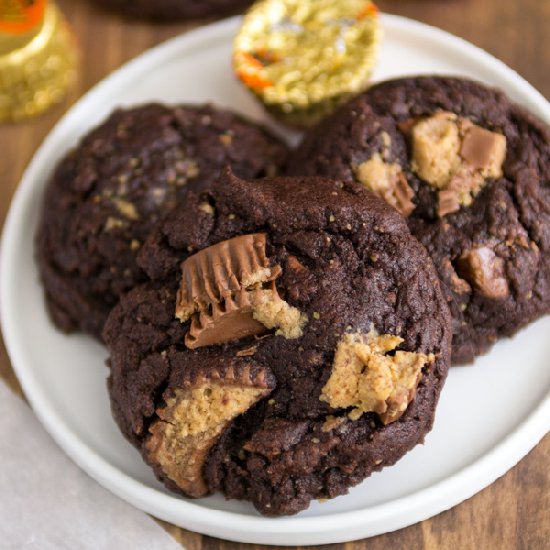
x=303, y=58
x=38, y=58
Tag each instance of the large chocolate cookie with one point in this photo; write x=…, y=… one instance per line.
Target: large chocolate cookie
x=471, y=171
x=108, y=192
x=292, y=339
x=170, y=9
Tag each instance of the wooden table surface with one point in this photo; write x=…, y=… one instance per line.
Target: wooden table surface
x=514, y=512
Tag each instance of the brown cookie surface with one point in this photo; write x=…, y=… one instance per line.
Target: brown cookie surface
x=471, y=171
x=291, y=340
x=170, y=9
x=108, y=192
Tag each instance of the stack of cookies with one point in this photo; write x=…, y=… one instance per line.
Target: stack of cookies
x=280, y=323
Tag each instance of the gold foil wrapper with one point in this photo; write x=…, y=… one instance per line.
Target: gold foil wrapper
x=37, y=73
x=303, y=58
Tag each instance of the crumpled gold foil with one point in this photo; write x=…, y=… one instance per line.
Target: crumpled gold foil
x=303, y=58
x=35, y=75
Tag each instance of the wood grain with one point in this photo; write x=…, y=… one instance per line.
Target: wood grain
x=514, y=512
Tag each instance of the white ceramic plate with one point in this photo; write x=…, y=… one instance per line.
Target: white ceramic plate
x=489, y=416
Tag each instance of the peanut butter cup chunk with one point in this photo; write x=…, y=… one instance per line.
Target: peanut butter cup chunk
x=317, y=290
x=117, y=183
x=388, y=182
x=471, y=172
x=302, y=59
x=455, y=157
x=366, y=378
x=226, y=289
x=192, y=420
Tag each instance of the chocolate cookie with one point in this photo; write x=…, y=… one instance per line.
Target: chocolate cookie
x=170, y=9
x=108, y=192
x=471, y=170
x=293, y=339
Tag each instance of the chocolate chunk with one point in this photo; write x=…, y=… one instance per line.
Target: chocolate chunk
x=447, y=202
x=276, y=436
x=485, y=271
x=484, y=150
x=459, y=285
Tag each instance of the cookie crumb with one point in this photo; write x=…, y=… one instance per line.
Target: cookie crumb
x=207, y=208
x=247, y=352
x=127, y=209
x=114, y=223
x=226, y=139
x=331, y=423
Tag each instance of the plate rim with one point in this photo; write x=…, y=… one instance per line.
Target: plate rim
x=385, y=517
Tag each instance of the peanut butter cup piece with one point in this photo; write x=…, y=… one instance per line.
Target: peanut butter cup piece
x=195, y=415
x=388, y=182
x=455, y=156
x=366, y=378
x=304, y=59
x=228, y=289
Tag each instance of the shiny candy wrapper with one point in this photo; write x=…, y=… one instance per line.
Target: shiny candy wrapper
x=303, y=58
x=38, y=58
